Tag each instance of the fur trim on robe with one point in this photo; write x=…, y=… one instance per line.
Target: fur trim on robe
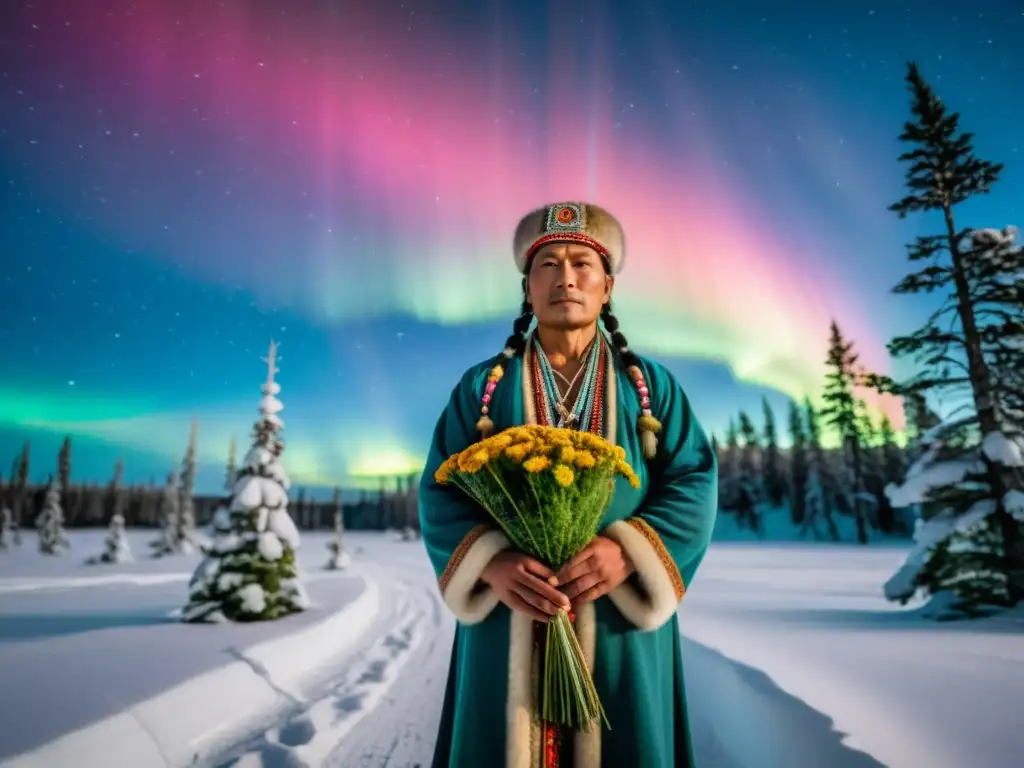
x=652, y=595
x=468, y=598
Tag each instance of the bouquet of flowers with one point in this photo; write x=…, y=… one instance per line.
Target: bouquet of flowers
x=547, y=488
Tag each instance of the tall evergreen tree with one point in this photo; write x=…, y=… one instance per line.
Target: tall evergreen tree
x=891, y=466
x=64, y=477
x=115, y=491
x=843, y=411
x=728, y=468
x=771, y=466
x=166, y=542
x=185, y=535
x=249, y=572
x=231, y=471
x=970, y=553
x=339, y=559
x=22, y=503
x=749, y=492
x=798, y=464
x=818, y=500
x=894, y=464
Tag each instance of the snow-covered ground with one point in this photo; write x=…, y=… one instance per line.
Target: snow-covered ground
x=793, y=659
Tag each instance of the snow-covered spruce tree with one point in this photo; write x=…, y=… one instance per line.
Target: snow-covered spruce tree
x=817, y=500
x=50, y=523
x=20, y=498
x=115, y=546
x=231, y=471
x=114, y=501
x=6, y=527
x=185, y=533
x=168, y=516
x=749, y=492
x=64, y=477
x=249, y=572
x=339, y=559
x=844, y=413
x=969, y=553
x=771, y=467
x=798, y=465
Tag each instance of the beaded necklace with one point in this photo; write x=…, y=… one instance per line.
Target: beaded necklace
x=552, y=408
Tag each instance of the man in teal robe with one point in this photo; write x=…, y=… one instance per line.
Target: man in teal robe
x=630, y=636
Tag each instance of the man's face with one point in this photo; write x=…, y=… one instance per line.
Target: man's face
x=567, y=286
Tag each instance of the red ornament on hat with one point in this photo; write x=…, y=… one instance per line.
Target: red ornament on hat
x=565, y=215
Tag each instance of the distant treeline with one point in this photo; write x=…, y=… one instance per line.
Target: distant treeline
x=393, y=505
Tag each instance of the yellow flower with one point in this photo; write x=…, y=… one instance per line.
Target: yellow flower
x=593, y=443
x=627, y=471
x=444, y=472
x=536, y=463
x=519, y=451
x=567, y=454
x=472, y=459
x=516, y=433
x=560, y=438
x=584, y=460
x=619, y=452
x=563, y=475
x=497, y=444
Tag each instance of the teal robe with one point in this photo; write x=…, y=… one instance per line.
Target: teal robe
x=664, y=527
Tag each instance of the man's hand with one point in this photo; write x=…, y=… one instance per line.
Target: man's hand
x=598, y=569
x=524, y=585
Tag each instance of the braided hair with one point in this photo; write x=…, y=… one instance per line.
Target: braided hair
x=648, y=425
x=515, y=346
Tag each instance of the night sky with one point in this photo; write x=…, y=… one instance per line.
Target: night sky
x=180, y=181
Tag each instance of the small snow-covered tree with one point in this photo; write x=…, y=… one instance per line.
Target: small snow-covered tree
x=6, y=527
x=339, y=559
x=50, y=523
x=249, y=572
x=20, y=491
x=968, y=482
x=168, y=516
x=185, y=534
x=116, y=549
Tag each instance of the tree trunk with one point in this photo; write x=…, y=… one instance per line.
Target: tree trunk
x=988, y=418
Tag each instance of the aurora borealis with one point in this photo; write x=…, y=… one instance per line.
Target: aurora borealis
x=182, y=181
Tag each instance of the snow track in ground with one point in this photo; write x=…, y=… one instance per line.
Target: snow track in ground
x=323, y=731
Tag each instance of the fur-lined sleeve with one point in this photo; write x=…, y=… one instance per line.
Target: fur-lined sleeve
x=459, y=538
x=668, y=537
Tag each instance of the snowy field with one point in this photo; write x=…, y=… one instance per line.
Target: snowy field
x=793, y=659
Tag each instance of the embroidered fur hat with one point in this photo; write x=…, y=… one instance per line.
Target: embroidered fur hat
x=582, y=223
